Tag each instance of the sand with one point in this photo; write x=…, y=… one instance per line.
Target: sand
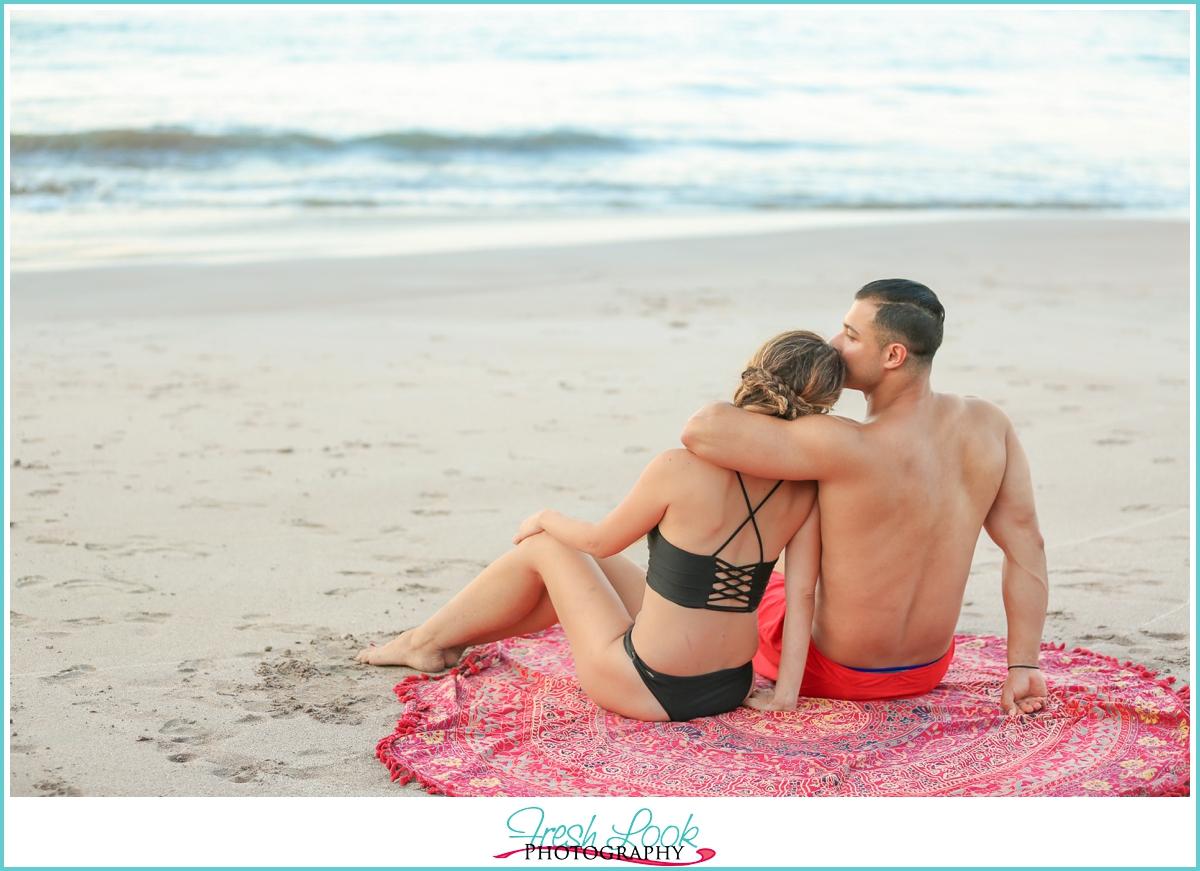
x=225, y=479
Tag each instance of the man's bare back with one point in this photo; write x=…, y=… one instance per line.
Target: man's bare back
x=899, y=531
x=903, y=496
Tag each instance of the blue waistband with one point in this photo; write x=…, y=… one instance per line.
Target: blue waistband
x=894, y=668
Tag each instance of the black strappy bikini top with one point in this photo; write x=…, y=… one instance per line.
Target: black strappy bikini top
x=696, y=581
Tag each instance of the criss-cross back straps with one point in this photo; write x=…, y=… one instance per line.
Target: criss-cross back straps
x=761, y=553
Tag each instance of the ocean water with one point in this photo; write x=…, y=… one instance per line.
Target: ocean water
x=132, y=126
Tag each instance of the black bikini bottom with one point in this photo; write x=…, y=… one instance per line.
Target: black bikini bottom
x=686, y=697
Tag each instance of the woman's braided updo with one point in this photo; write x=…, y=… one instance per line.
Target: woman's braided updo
x=794, y=374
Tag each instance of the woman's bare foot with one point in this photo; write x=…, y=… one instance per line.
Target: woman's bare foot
x=406, y=650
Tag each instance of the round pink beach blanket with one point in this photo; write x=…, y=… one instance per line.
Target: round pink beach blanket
x=511, y=720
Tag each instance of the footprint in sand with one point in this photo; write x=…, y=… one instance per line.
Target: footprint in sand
x=21, y=621
x=414, y=587
x=252, y=705
x=1142, y=506
x=1091, y=586
x=146, y=617
x=297, y=773
x=182, y=757
x=87, y=621
x=199, y=502
x=106, y=584
x=241, y=774
x=31, y=581
x=73, y=672
x=289, y=667
x=57, y=787
x=178, y=549
x=182, y=730
x=292, y=629
x=444, y=565
x=346, y=591
x=300, y=521
x=320, y=680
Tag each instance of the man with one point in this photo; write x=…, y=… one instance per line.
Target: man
x=903, y=495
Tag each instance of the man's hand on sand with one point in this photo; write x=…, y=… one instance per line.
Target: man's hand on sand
x=1024, y=692
x=764, y=700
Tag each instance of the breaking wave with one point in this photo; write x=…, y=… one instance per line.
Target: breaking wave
x=158, y=145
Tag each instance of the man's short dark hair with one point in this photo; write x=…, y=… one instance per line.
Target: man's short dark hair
x=908, y=313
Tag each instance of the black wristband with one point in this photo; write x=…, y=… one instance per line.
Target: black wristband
x=1038, y=667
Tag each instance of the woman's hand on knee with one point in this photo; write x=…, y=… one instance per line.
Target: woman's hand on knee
x=531, y=525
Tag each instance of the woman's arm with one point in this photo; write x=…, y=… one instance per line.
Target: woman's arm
x=801, y=568
x=637, y=514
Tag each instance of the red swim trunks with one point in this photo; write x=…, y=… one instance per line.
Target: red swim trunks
x=826, y=679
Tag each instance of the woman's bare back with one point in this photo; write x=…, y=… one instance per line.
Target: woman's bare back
x=705, y=505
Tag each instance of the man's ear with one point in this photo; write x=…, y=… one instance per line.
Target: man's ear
x=896, y=355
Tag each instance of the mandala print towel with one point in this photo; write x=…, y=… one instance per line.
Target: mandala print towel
x=512, y=721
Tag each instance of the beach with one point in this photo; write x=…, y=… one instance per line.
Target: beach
x=227, y=478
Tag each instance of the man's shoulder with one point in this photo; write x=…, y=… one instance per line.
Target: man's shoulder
x=827, y=429
x=981, y=412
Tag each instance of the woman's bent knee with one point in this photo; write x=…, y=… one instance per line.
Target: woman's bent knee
x=546, y=546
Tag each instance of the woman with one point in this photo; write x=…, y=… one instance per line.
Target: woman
x=673, y=642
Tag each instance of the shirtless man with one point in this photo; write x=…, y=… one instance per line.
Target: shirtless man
x=903, y=495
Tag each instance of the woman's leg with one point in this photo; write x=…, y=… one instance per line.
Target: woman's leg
x=526, y=590
x=507, y=595
x=626, y=577
x=510, y=592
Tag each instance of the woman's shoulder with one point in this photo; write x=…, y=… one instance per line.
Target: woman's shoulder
x=681, y=461
x=679, y=473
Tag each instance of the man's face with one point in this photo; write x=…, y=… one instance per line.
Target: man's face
x=857, y=345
